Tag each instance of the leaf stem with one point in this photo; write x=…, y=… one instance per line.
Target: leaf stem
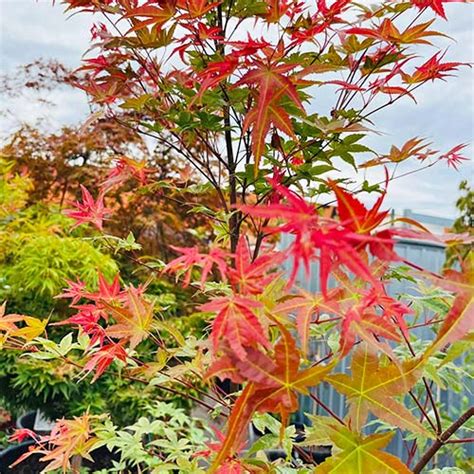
x=326, y=408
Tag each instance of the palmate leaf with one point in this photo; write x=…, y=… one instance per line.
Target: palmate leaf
x=273, y=385
x=359, y=455
x=387, y=31
x=153, y=16
x=236, y=323
x=68, y=438
x=253, y=276
x=196, y=8
x=460, y=319
x=278, y=378
x=261, y=118
x=34, y=327
x=103, y=358
x=371, y=388
x=271, y=84
x=306, y=307
x=7, y=322
x=134, y=319
x=354, y=215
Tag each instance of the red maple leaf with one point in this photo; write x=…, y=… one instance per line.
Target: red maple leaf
x=75, y=291
x=198, y=32
x=306, y=307
x=153, y=15
x=271, y=83
x=436, y=5
x=107, y=292
x=453, y=158
x=354, y=215
x=375, y=316
x=336, y=247
x=300, y=217
x=103, y=357
x=249, y=47
x=252, y=276
x=125, y=169
x=87, y=318
x=89, y=314
x=273, y=385
x=432, y=69
x=214, y=74
x=89, y=210
x=191, y=257
x=357, y=218
x=236, y=323
x=195, y=8
x=314, y=237
x=21, y=434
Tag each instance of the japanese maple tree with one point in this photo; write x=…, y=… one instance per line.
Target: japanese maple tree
x=232, y=88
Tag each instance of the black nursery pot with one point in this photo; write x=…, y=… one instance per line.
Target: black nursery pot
x=8, y=456
x=31, y=465
x=26, y=421
x=102, y=457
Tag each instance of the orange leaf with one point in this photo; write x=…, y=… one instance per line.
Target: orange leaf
x=371, y=388
x=460, y=319
x=273, y=386
x=133, y=320
x=305, y=306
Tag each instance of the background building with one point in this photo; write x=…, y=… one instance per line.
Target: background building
x=426, y=254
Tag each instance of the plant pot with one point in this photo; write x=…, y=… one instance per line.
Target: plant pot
x=274, y=454
x=28, y=421
x=31, y=465
x=102, y=459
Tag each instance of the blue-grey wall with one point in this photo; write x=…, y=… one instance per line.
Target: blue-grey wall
x=428, y=256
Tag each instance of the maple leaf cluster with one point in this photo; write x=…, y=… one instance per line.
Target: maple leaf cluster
x=10, y=330
x=240, y=331
x=131, y=313
x=274, y=86
x=272, y=372
x=94, y=211
x=68, y=438
x=251, y=341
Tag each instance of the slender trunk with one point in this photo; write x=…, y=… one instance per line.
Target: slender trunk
x=234, y=221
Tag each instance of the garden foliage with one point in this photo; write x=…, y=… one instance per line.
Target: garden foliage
x=231, y=88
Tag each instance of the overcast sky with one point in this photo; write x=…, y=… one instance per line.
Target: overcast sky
x=444, y=114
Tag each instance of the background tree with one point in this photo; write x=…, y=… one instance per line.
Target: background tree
x=464, y=223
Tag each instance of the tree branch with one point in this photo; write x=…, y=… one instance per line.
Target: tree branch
x=442, y=439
